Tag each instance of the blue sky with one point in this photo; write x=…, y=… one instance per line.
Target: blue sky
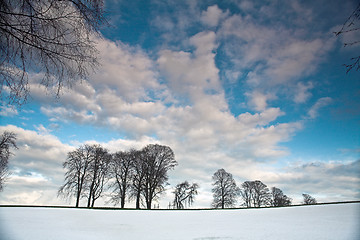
x=255, y=87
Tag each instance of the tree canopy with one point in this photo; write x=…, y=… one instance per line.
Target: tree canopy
x=50, y=37
x=225, y=190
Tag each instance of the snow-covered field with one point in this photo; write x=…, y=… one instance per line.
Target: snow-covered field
x=305, y=222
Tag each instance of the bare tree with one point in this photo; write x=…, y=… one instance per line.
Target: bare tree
x=225, y=190
x=351, y=25
x=7, y=141
x=138, y=177
x=158, y=160
x=98, y=173
x=309, y=200
x=185, y=194
x=255, y=194
x=76, y=176
x=261, y=194
x=279, y=199
x=46, y=36
x=122, y=170
x=86, y=175
x=246, y=192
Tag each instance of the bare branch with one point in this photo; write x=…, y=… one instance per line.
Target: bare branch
x=49, y=36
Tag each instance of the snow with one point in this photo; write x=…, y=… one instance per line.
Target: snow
x=340, y=221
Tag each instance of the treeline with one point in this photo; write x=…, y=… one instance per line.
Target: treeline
x=139, y=175
x=253, y=193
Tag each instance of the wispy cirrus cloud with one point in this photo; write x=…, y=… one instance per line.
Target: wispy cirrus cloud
x=320, y=103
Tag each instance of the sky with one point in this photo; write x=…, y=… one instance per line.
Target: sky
x=258, y=88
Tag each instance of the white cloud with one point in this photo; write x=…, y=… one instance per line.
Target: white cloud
x=258, y=100
x=302, y=93
x=313, y=178
x=36, y=167
x=192, y=74
x=275, y=58
x=64, y=114
x=282, y=56
x=204, y=42
x=126, y=68
x=262, y=118
x=320, y=103
x=200, y=115
x=38, y=151
x=212, y=16
x=8, y=111
x=42, y=130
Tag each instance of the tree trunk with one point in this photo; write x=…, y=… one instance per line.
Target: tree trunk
x=78, y=197
x=122, y=203
x=148, y=204
x=77, y=200
x=138, y=200
x=222, y=199
x=89, y=200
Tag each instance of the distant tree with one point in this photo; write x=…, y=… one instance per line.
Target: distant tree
x=7, y=141
x=309, y=200
x=49, y=36
x=122, y=170
x=255, y=194
x=279, y=199
x=158, y=160
x=246, y=193
x=261, y=196
x=184, y=194
x=98, y=173
x=76, y=176
x=225, y=190
x=351, y=25
x=86, y=174
x=139, y=171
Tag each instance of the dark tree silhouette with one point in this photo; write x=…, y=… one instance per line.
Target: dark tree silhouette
x=261, y=195
x=309, y=200
x=7, y=141
x=122, y=170
x=76, y=176
x=46, y=36
x=225, y=190
x=98, y=173
x=246, y=192
x=279, y=199
x=255, y=194
x=86, y=174
x=352, y=24
x=184, y=194
x=138, y=177
x=158, y=160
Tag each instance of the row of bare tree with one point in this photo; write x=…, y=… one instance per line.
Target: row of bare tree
x=134, y=174
x=253, y=193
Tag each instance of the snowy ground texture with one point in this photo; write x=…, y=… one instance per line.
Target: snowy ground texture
x=338, y=222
